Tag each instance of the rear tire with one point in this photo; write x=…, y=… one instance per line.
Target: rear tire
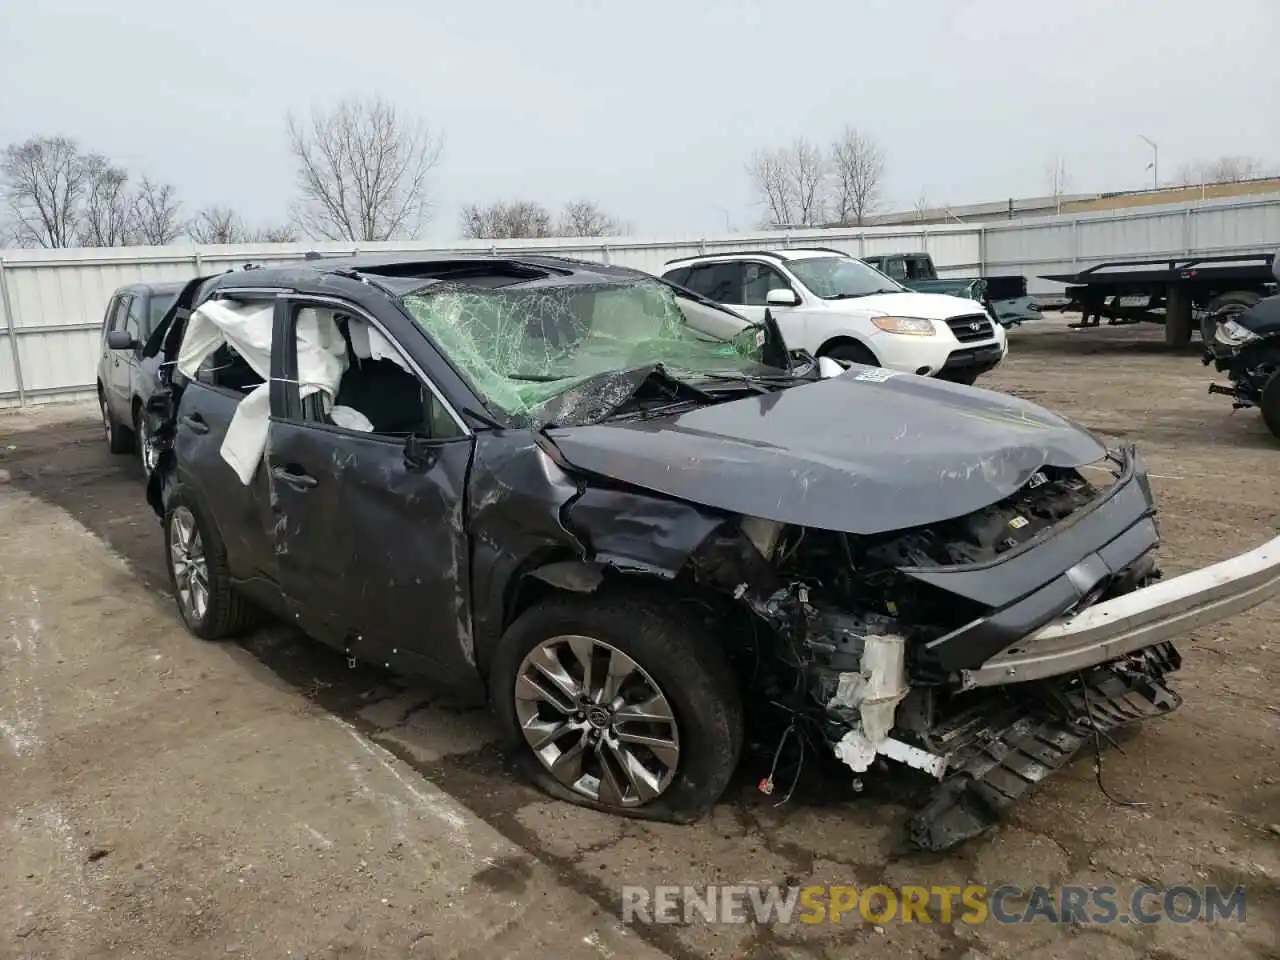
x=199, y=575
x=1224, y=307
x=851, y=351
x=665, y=651
x=119, y=439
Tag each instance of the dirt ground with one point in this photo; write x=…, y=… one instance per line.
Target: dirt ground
x=162, y=797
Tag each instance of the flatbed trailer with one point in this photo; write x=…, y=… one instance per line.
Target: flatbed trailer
x=1180, y=292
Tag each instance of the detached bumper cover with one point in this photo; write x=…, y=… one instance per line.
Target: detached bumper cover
x=998, y=752
x=1143, y=618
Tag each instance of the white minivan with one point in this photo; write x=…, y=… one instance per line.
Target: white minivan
x=834, y=305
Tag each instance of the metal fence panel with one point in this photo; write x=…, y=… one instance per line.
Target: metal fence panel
x=56, y=298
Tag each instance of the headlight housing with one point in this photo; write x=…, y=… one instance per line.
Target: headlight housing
x=907, y=326
x=1233, y=335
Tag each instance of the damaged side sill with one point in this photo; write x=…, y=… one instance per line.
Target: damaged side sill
x=1143, y=618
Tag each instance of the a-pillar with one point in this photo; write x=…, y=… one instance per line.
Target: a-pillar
x=1177, y=316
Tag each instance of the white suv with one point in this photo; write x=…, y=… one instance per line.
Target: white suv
x=834, y=305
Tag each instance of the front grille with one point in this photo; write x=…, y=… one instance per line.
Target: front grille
x=976, y=326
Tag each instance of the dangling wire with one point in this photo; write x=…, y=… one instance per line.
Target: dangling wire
x=1098, y=734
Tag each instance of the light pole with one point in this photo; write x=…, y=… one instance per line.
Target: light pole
x=1154, y=165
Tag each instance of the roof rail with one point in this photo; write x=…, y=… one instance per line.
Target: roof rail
x=731, y=253
x=843, y=253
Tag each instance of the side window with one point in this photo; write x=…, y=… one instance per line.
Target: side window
x=896, y=268
x=759, y=279
x=377, y=391
x=134, y=321
x=115, y=313
x=680, y=276
x=225, y=367
x=721, y=282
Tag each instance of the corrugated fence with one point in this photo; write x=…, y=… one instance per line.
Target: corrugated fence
x=52, y=301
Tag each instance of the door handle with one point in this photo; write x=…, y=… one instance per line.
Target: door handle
x=294, y=477
x=196, y=423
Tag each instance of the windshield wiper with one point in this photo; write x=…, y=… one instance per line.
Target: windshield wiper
x=536, y=377
x=761, y=383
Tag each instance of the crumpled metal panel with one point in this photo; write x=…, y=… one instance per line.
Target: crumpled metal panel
x=863, y=453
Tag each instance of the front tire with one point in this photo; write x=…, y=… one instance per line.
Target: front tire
x=144, y=441
x=852, y=352
x=619, y=702
x=964, y=377
x=199, y=575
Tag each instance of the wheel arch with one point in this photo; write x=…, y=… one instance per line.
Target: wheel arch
x=846, y=339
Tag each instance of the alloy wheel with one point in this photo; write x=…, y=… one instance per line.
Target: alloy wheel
x=190, y=568
x=597, y=721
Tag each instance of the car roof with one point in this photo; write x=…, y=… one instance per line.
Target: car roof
x=782, y=254
x=169, y=288
x=397, y=274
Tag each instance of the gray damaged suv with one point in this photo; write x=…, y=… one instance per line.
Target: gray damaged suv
x=643, y=527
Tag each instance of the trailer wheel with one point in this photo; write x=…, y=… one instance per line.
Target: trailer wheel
x=1224, y=307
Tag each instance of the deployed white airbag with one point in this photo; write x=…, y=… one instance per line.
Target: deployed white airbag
x=246, y=328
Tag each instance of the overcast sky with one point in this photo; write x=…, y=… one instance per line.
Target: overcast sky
x=652, y=108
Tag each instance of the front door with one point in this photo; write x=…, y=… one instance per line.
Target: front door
x=368, y=523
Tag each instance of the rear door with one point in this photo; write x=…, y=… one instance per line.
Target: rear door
x=369, y=523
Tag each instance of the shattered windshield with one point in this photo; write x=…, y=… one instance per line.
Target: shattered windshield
x=840, y=278
x=522, y=346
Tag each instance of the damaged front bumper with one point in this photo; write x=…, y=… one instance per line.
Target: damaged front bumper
x=1144, y=618
x=1028, y=709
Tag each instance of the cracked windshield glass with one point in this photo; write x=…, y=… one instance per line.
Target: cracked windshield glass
x=521, y=348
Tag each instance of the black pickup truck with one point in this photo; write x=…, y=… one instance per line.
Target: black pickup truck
x=1004, y=297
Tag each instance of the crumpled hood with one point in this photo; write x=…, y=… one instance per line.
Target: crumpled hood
x=863, y=453
x=930, y=306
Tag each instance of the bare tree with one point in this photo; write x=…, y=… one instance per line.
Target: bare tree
x=585, y=218
x=1057, y=179
x=363, y=171
x=217, y=224
x=506, y=220
x=155, y=213
x=1222, y=170
x=107, y=219
x=45, y=180
x=921, y=206
x=790, y=183
x=858, y=166
x=276, y=233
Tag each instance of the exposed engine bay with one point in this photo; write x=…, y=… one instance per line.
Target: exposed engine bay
x=848, y=659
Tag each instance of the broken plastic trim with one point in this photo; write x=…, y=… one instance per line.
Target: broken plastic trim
x=1147, y=616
